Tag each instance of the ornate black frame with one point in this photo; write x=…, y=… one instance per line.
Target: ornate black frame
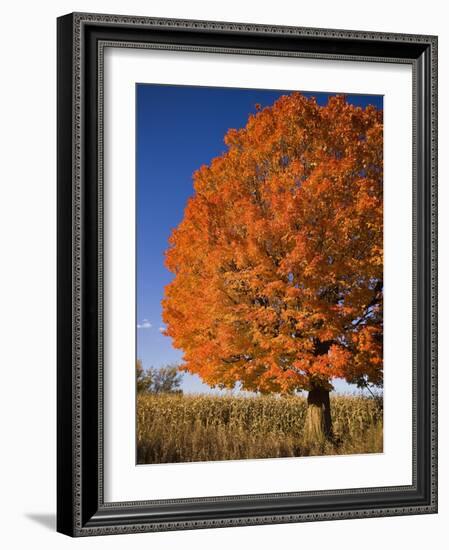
x=81, y=510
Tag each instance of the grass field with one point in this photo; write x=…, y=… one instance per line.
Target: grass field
x=190, y=428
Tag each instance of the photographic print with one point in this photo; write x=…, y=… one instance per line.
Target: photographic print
x=259, y=261
x=234, y=201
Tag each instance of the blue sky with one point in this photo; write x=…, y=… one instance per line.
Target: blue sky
x=179, y=128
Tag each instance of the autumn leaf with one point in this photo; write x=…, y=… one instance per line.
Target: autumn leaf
x=278, y=261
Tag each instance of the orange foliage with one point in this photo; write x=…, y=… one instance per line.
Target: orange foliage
x=278, y=261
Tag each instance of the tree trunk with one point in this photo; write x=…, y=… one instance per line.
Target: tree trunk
x=318, y=425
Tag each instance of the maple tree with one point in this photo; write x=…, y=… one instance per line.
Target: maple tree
x=278, y=261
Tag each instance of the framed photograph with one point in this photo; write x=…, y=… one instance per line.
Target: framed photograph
x=247, y=280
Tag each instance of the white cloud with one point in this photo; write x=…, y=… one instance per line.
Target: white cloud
x=161, y=329
x=144, y=324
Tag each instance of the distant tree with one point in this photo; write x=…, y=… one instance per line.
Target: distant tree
x=144, y=378
x=165, y=379
x=278, y=261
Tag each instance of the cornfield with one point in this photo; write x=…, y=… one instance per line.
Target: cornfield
x=191, y=428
